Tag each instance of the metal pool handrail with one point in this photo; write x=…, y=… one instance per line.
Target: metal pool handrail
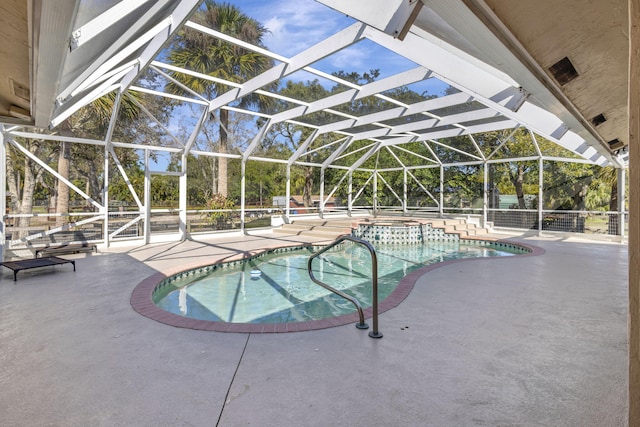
x=374, y=278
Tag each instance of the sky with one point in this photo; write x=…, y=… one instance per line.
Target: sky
x=295, y=25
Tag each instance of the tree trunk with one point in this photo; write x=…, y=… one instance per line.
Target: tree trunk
x=21, y=196
x=578, y=198
x=64, y=161
x=222, y=161
x=13, y=183
x=87, y=190
x=26, y=203
x=518, y=183
x=614, y=228
x=214, y=179
x=613, y=201
x=308, y=187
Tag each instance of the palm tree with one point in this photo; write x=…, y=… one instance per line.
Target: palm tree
x=608, y=176
x=91, y=121
x=204, y=54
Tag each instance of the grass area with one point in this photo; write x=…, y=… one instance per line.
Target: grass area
x=260, y=222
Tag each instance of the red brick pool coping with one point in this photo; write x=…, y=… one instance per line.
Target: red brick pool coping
x=142, y=302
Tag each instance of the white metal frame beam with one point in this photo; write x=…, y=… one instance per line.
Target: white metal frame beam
x=487, y=85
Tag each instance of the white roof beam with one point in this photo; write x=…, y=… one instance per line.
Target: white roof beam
x=179, y=15
x=96, y=93
x=431, y=123
x=407, y=77
x=202, y=76
x=111, y=50
x=182, y=86
x=407, y=110
x=167, y=95
x=453, y=119
x=52, y=22
x=451, y=65
x=486, y=84
x=399, y=139
x=103, y=21
x=338, y=41
x=506, y=124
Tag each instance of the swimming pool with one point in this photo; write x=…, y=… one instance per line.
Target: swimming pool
x=275, y=288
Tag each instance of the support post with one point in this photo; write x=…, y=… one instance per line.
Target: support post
x=287, y=210
x=182, y=198
x=243, y=183
x=375, y=193
x=321, y=205
x=404, y=191
x=105, y=185
x=485, y=194
x=540, y=193
x=622, y=206
x=350, y=195
x=105, y=197
x=147, y=199
x=441, y=191
x=634, y=212
x=3, y=194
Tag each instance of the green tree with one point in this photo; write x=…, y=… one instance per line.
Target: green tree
x=290, y=136
x=214, y=57
x=91, y=121
x=23, y=176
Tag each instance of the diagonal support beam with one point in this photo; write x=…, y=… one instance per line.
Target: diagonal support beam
x=303, y=147
x=126, y=178
x=338, y=41
x=54, y=173
x=370, y=89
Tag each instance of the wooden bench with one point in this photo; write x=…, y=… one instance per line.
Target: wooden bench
x=65, y=248
x=27, y=264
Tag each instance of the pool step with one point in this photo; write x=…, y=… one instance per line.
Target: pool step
x=321, y=229
x=465, y=229
x=334, y=228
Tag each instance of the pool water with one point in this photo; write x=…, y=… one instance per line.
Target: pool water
x=276, y=288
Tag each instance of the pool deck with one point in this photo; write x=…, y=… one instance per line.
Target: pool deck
x=520, y=341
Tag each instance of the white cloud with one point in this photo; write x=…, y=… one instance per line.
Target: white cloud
x=350, y=59
x=294, y=25
x=275, y=25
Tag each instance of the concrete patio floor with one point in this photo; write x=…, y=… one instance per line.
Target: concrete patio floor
x=530, y=341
